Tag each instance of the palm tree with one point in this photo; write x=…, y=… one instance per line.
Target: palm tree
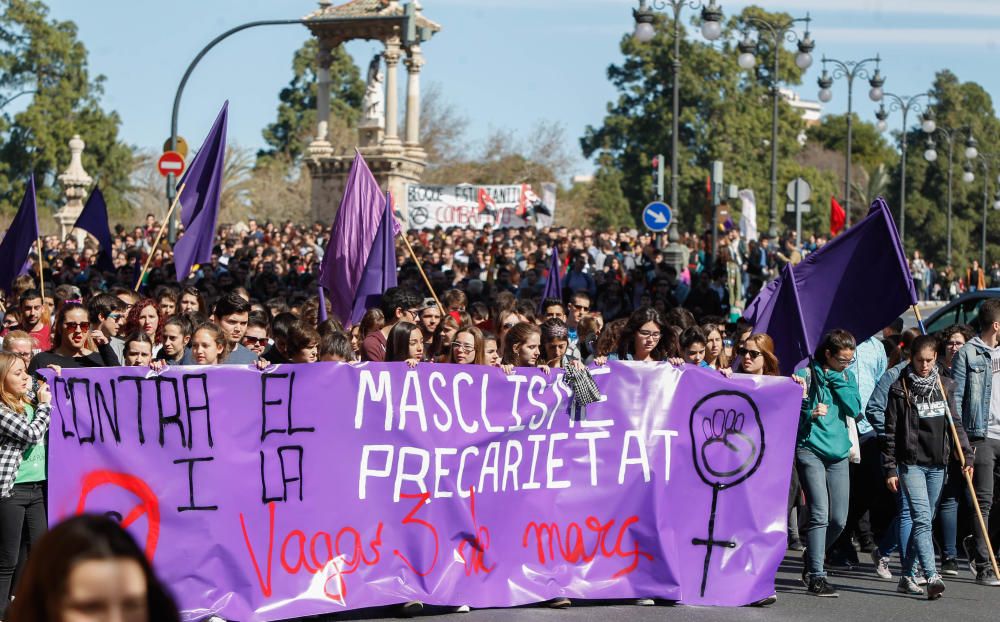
x=869, y=187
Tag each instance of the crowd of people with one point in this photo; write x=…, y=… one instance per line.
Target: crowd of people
x=876, y=462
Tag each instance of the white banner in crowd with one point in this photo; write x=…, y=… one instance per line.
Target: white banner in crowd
x=466, y=205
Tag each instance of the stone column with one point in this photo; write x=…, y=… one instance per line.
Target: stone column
x=391, y=142
x=74, y=181
x=414, y=61
x=320, y=145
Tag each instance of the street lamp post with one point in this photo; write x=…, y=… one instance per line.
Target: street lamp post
x=850, y=70
x=987, y=161
x=904, y=104
x=779, y=32
x=711, y=29
x=171, y=181
x=950, y=135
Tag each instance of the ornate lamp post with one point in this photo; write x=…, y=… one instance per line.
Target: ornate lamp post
x=950, y=136
x=904, y=104
x=711, y=29
x=988, y=162
x=850, y=70
x=779, y=32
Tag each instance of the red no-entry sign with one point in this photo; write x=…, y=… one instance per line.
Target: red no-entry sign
x=171, y=162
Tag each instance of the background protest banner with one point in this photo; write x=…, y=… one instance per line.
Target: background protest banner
x=465, y=205
x=316, y=488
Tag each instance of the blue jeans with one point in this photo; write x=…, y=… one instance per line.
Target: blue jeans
x=947, y=514
x=828, y=497
x=919, y=491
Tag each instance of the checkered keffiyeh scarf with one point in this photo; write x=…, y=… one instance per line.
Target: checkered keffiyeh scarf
x=582, y=384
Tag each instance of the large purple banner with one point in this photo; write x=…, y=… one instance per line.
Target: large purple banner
x=316, y=488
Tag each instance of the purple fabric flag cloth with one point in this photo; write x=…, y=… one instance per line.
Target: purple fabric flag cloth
x=351, y=238
x=94, y=220
x=860, y=282
x=199, y=201
x=553, y=282
x=137, y=272
x=322, y=304
x=21, y=236
x=380, y=269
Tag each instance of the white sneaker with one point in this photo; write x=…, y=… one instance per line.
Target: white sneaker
x=645, y=602
x=881, y=566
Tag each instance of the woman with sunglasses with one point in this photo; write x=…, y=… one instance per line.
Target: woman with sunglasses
x=468, y=347
x=822, y=450
x=756, y=356
x=72, y=345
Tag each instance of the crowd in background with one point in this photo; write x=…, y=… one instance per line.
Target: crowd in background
x=626, y=295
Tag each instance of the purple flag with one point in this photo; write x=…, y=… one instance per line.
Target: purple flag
x=94, y=220
x=553, y=282
x=859, y=282
x=351, y=238
x=200, y=199
x=21, y=236
x=380, y=269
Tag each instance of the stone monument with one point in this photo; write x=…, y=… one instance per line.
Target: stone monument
x=75, y=182
x=394, y=160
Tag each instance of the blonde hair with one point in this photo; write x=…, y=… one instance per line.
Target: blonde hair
x=7, y=362
x=17, y=335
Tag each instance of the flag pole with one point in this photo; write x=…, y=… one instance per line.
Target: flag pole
x=41, y=270
x=961, y=458
x=159, y=234
x=421, y=269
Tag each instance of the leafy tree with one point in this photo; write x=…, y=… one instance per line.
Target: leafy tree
x=295, y=126
x=42, y=57
x=725, y=114
x=605, y=202
x=967, y=107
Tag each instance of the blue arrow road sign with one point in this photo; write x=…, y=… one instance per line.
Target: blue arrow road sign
x=656, y=216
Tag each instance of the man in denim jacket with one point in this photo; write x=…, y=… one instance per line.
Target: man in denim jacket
x=976, y=370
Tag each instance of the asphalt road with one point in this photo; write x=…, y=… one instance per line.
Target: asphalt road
x=863, y=596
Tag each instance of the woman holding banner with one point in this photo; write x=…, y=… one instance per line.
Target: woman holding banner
x=468, y=347
x=72, y=343
x=404, y=343
x=916, y=449
x=646, y=337
x=522, y=347
x=22, y=466
x=822, y=450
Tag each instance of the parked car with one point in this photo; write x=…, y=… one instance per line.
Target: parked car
x=962, y=310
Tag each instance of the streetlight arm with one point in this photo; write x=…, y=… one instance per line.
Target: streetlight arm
x=201, y=54
x=13, y=97
x=850, y=69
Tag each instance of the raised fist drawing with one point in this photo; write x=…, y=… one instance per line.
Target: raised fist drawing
x=726, y=451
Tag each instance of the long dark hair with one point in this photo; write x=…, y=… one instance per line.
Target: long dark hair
x=666, y=348
x=517, y=335
x=397, y=346
x=82, y=538
x=57, y=328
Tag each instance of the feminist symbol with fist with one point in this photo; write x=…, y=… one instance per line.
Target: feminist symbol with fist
x=727, y=452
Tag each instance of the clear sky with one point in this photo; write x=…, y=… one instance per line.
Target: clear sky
x=502, y=63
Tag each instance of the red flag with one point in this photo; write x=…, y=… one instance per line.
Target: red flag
x=837, y=217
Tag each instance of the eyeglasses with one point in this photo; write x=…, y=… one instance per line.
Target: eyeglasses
x=414, y=313
x=646, y=334
x=115, y=316
x=581, y=308
x=745, y=352
x=464, y=347
x=955, y=344
x=846, y=363
x=248, y=340
x=74, y=326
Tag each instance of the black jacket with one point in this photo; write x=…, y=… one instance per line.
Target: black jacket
x=901, y=426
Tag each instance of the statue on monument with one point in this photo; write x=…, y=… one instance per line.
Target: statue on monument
x=373, y=103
